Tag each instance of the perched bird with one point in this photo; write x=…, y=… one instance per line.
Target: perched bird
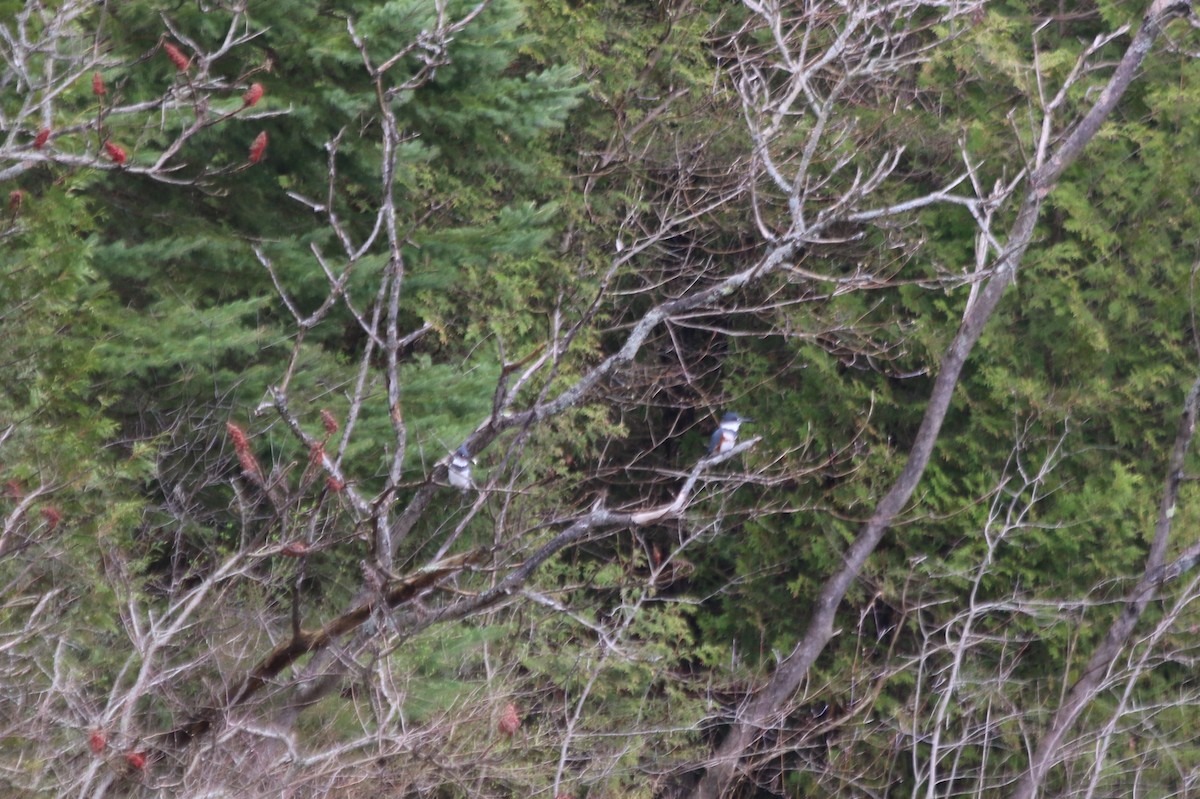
x=460, y=469
x=725, y=436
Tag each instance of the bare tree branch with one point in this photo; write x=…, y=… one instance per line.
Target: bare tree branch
x=760, y=712
x=1088, y=684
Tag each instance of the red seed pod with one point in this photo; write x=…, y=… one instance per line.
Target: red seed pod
x=295, y=549
x=335, y=485
x=98, y=87
x=52, y=515
x=15, y=198
x=241, y=445
x=509, y=720
x=39, y=141
x=136, y=759
x=177, y=57
x=116, y=152
x=316, y=453
x=253, y=95
x=240, y=442
x=330, y=424
x=258, y=147
x=15, y=489
x=98, y=742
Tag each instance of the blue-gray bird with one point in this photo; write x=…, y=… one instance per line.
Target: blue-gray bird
x=725, y=436
x=460, y=469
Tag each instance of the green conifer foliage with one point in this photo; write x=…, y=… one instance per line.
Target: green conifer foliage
x=1083, y=372
x=179, y=445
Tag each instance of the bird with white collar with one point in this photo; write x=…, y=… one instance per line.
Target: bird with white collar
x=459, y=469
x=725, y=436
